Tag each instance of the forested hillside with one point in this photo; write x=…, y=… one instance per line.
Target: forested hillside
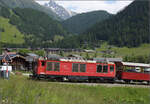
x=80, y=22
x=38, y=28
x=129, y=27
x=29, y=4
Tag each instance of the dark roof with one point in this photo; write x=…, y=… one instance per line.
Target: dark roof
x=32, y=55
x=10, y=56
x=7, y=57
x=13, y=55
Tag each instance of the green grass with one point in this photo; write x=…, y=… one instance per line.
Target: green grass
x=144, y=49
x=20, y=90
x=121, y=52
x=11, y=34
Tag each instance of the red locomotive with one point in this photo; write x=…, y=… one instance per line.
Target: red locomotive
x=75, y=69
x=85, y=70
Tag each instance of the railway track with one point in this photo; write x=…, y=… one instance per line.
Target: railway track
x=117, y=84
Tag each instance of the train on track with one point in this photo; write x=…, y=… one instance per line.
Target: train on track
x=73, y=69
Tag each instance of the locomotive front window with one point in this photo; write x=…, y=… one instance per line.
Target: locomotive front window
x=43, y=63
x=111, y=68
x=82, y=68
x=105, y=69
x=56, y=66
x=99, y=68
x=75, y=67
x=49, y=66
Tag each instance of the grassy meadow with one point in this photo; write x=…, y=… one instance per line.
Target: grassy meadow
x=10, y=34
x=21, y=90
x=144, y=49
x=106, y=50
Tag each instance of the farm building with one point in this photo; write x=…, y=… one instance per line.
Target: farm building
x=18, y=61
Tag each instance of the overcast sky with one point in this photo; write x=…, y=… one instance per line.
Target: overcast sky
x=80, y=6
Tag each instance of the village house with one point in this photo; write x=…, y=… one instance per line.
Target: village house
x=19, y=61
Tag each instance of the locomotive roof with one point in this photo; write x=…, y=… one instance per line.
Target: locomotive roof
x=108, y=59
x=77, y=60
x=53, y=57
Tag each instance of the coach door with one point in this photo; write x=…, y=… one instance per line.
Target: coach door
x=112, y=69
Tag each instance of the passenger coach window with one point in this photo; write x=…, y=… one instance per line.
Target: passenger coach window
x=49, y=66
x=99, y=68
x=82, y=68
x=105, y=69
x=111, y=68
x=75, y=67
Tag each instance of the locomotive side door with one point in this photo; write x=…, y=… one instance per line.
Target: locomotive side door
x=41, y=67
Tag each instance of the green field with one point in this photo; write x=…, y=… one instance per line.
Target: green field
x=144, y=49
x=10, y=34
x=20, y=90
x=139, y=54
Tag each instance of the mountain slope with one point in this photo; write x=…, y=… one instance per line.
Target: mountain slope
x=38, y=29
x=59, y=10
x=130, y=27
x=81, y=22
x=29, y=4
x=9, y=33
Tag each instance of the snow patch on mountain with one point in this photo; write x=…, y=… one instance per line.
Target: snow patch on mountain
x=59, y=10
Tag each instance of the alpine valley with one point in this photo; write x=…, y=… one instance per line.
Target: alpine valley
x=26, y=23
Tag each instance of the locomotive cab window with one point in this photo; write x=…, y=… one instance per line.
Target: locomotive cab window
x=111, y=68
x=99, y=68
x=105, y=69
x=43, y=63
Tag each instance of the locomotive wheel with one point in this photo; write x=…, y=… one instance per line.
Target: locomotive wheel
x=92, y=81
x=148, y=82
x=59, y=79
x=111, y=81
x=127, y=81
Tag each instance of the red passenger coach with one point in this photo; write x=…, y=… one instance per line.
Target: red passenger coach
x=134, y=71
x=75, y=70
